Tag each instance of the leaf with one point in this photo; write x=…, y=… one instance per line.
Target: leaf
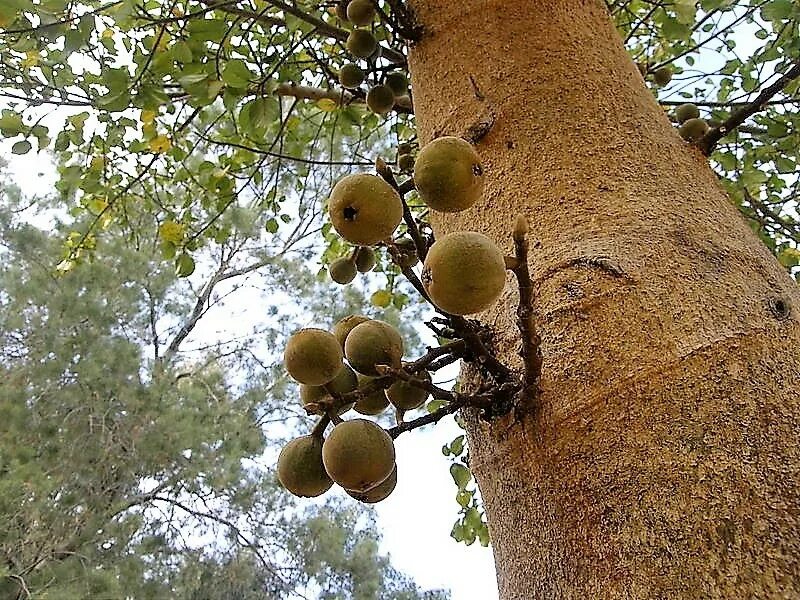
x=22, y=147
x=381, y=298
x=327, y=105
x=236, y=74
x=271, y=226
x=159, y=144
x=184, y=265
x=460, y=474
x=171, y=231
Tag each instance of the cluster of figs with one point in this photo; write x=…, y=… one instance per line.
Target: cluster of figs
x=463, y=273
x=361, y=43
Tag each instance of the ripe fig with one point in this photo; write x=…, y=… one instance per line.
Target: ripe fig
x=373, y=343
x=687, y=111
x=360, y=12
x=397, y=82
x=351, y=76
x=379, y=492
x=662, y=76
x=345, y=326
x=693, y=129
x=342, y=270
x=380, y=99
x=364, y=209
x=448, y=174
x=374, y=404
x=313, y=356
x=358, y=455
x=365, y=259
x=406, y=396
x=300, y=467
x=464, y=272
x=361, y=43
x=346, y=381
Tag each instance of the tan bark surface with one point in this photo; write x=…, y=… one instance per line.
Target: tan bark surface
x=665, y=462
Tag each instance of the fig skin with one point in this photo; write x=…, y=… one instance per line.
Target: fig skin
x=358, y=455
x=351, y=76
x=397, y=82
x=405, y=396
x=373, y=343
x=342, y=270
x=345, y=382
x=371, y=405
x=464, y=273
x=313, y=356
x=662, y=76
x=687, y=111
x=364, y=209
x=344, y=326
x=448, y=174
x=361, y=43
x=365, y=259
x=380, y=492
x=693, y=129
x=360, y=12
x=300, y=467
x=380, y=99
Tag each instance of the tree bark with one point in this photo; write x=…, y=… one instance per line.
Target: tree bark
x=664, y=461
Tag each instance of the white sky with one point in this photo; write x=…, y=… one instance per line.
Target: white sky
x=417, y=518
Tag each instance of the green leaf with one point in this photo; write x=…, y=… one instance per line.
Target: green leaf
x=236, y=74
x=460, y=474
x=22, y=147
x=184, y=265
x=272, y=226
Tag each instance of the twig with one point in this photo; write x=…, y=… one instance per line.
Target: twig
x=531, y=351
x=413, y=230
x=710, y=139
x=434, y=417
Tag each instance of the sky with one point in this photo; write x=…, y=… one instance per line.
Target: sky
x=416, y=519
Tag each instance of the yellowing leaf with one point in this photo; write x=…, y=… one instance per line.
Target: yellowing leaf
x=148, y=116
x=107, y=33
x=326, y=104
x=159, y=144
x=381, y=298
x=95, y=205
x=170, y=231
x=32, y=58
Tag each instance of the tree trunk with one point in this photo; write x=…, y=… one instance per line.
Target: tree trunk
x=665, y=460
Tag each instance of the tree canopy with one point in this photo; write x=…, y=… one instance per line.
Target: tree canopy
x=212, y=131
x=131, y=466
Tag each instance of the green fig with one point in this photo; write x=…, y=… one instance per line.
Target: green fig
x=342, y=270
x=361, y=43
x=373, y=343
x=380, y=99
x=300, y=467
x=358, y=455
x=313, y=356
x=464, y=272
x=448, y=174
x=379, y=492
x=364, y=209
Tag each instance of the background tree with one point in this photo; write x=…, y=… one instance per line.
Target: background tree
x=572, y=138
x=116, y=468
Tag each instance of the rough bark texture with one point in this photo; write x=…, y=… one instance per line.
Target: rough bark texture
x=665, y=462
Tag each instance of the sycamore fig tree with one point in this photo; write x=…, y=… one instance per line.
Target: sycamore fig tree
x=629, y=396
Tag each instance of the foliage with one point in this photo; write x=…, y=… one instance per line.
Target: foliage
x=131, y=466
x=225, y=120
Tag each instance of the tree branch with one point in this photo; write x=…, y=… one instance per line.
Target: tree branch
x=710, y=139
